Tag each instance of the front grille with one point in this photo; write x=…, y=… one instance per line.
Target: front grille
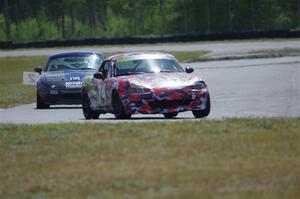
x=71, y=96
x=169, y=103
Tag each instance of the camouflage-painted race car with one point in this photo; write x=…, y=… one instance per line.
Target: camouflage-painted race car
x=147, y=83
x=61, y=80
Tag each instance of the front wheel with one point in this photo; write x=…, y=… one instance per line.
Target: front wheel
x=205, y=112
x=118, y=107
x=39, y=102
x=87, y=110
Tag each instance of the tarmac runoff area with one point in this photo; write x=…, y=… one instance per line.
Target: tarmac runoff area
x=248, y=88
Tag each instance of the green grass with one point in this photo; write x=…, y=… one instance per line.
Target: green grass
x=12, y=90
x=276, y=52
x=236, y=158
x=181, y=56
x=188, y=56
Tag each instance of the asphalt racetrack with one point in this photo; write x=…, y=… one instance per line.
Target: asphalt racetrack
x=240, y=88
x=215, y=48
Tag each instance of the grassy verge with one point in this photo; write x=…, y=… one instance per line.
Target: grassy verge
x=237, y=158
x=277, y=53
x=13, y=92
x=252, y=55
x=182, y=56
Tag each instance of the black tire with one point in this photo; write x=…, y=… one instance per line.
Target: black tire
x=39, y=102
x=118, y=107
x=87, y=110
x=170, y=115
x=205, y=112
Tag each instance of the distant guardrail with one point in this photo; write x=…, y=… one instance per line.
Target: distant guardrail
x=153, y=39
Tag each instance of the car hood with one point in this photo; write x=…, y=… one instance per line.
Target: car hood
x=60, y=78
x=162, y=80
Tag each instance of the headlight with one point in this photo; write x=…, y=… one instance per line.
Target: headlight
x=198, y=85
x=41, y=84
x=138, y=89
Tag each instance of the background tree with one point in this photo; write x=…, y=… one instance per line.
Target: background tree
x=7, y=19
x=27, y=20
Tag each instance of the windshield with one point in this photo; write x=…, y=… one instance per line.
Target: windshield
x=74, y=62
x=138, y=66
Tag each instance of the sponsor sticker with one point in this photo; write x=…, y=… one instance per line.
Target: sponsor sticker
x=73, y=84
x=30, y=78
x=74, y=78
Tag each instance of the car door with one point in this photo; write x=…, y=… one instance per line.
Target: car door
x=102, y=86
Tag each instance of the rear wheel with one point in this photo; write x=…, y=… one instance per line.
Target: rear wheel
x=170, y=115
x=205, y=112
x=39, y=102
x=118, y=107
x=87, y=110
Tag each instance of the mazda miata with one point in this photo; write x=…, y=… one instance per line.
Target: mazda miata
x=61, y=80
x=146, y=83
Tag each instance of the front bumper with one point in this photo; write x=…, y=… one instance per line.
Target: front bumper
x=61, y=96
x=159, y=101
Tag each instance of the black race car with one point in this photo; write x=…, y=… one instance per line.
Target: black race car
x=61, y=80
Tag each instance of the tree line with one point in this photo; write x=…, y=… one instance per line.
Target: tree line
x=29, y=20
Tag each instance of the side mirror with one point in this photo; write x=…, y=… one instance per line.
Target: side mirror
x=38, y=69
x=189, y=70
x=99, y=75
